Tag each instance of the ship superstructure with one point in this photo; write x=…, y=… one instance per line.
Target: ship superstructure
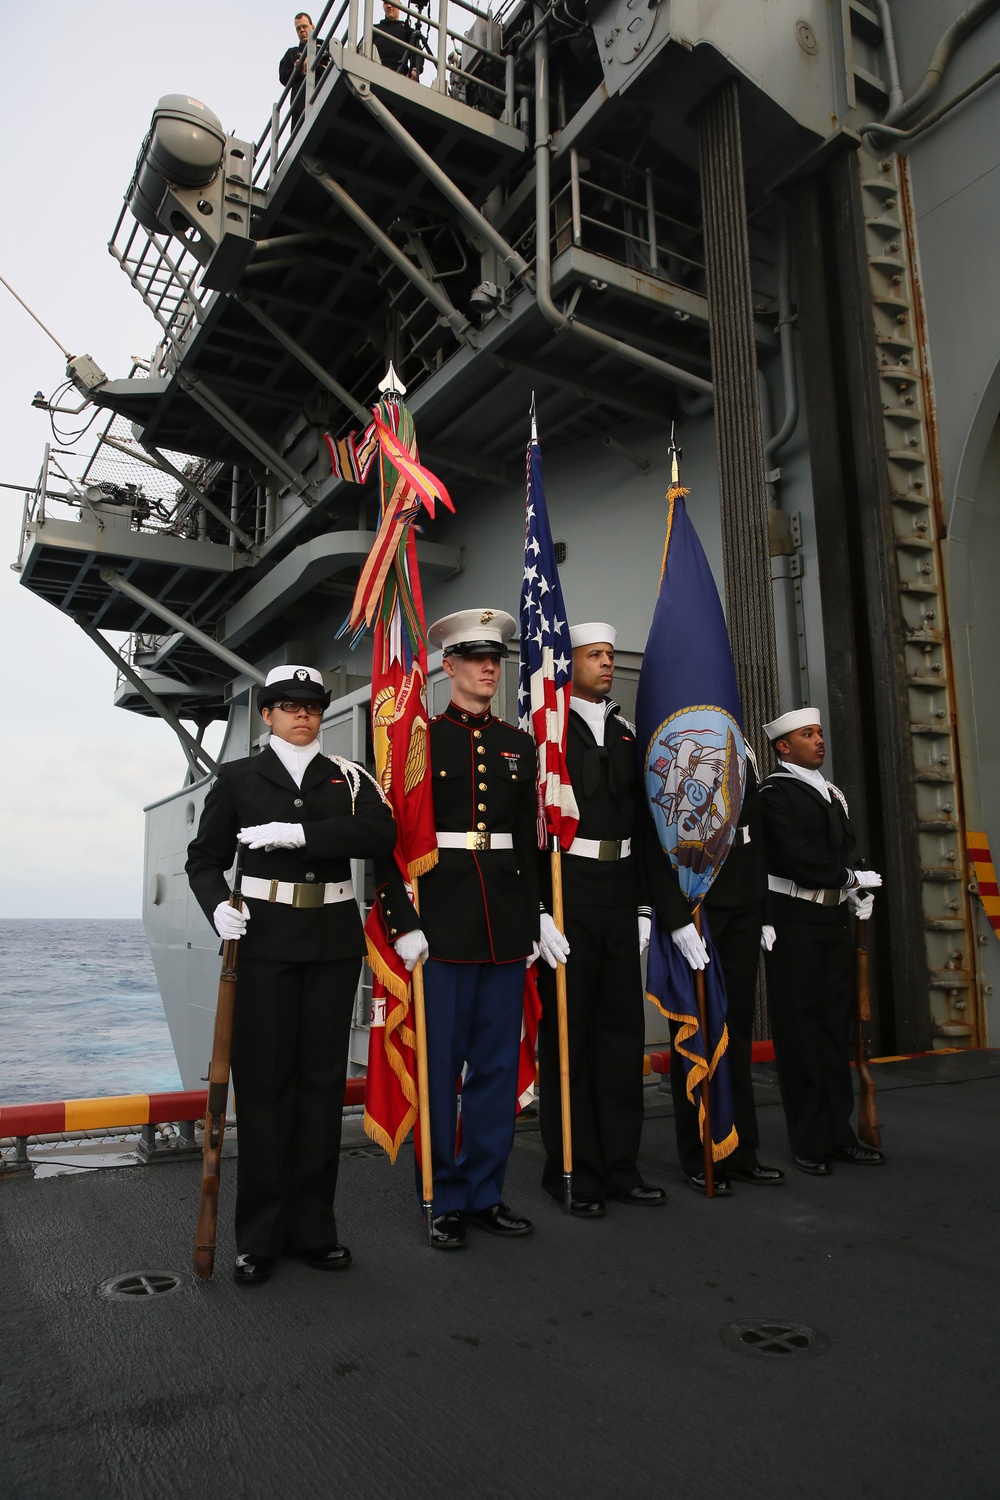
x=651, y=216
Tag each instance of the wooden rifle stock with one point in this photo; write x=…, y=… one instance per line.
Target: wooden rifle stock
x=868, y=1126
x=218, y=1096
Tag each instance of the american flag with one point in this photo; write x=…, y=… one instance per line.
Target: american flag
x=546, y=669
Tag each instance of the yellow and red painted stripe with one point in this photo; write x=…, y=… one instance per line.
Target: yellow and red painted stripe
x=978, y=849
x=118, y=1111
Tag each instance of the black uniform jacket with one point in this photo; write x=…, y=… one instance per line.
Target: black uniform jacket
x=609, y=794
x=476, y=907
x=742, y=881
x=808, y=840
x=260, y=790
x=389, y=37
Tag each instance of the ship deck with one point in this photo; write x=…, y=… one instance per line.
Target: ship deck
x=589, y=1359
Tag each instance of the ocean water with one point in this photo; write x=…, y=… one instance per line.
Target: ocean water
x=80, y=1013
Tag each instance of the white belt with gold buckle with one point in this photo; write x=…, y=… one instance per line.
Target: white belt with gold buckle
x=301, y=894
x=477, y=841
x=603, y=849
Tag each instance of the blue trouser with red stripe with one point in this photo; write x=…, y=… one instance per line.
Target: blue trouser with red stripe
x=473, y=1022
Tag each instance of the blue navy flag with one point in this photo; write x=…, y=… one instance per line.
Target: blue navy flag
x=688, y=726
x=546, y=668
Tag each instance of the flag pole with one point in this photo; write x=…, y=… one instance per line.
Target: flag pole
x=562, y=1022
x=706, y=1103
x=423, y=1091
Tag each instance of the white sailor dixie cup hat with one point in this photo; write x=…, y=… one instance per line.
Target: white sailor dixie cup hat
x=593, y=632
x=473, y=632
x=798, y=718
x=298, y=684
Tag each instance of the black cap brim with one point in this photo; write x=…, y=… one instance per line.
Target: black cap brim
x=477, y=648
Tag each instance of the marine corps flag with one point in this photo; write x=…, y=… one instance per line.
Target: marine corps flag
x=388, y=596
x=688, y=718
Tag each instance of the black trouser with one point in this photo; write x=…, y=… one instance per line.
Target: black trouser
x=607, y=1026
x=810, y=977
x=290, y=1042
x=735, y=933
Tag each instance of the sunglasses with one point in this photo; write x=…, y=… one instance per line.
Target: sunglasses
x=313, y=709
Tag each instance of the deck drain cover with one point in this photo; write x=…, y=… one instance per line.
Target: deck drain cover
x=135, y=1285
x=775, y=1338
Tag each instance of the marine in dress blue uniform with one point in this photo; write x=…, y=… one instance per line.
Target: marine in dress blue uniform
x=303, y=818
x=477, y=926
x=607, y=917
x=810, y=971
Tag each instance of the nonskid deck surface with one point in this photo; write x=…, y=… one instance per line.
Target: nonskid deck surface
x=586, y=1360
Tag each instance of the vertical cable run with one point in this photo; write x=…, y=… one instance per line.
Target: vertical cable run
x=738, y=435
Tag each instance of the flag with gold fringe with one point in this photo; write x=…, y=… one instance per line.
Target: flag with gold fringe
x=688, y=722
x=388, y=600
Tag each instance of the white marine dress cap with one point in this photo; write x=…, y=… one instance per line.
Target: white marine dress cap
x=473, y=632
x=798, y=718
x=592, y=633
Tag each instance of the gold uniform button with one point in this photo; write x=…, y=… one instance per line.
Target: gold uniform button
x=477, y=734
x=480, y=826
x=482, y=786
x=480, y=768
x=442, y=773
x=465, y=718
x=481, y=807
x=392, y=931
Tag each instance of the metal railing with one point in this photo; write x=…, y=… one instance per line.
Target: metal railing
x=457, y=41
x=611, y=206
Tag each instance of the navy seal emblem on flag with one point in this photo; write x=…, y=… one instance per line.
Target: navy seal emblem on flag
x=695, y=778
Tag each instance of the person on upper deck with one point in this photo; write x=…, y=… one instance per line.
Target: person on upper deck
x=394, y=38
x=296, y=62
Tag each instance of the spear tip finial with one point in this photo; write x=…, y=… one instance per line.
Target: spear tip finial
x=392, y=387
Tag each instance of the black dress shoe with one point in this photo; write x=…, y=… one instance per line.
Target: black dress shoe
x=815, y=1166
x=859, y=1156
x=327, y=1258
x=762, y=1176
x=501, y=1220
x=642, y=1196
x=723, y=1187
x=253, y=1270
x=448, y=1232
x=587, y=1208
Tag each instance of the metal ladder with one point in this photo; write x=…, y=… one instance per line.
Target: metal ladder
x=918, y=525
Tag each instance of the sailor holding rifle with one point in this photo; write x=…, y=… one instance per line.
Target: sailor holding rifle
x=478, y=922
x=810, y=970
x=303, y=817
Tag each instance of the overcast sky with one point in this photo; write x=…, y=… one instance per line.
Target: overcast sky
x=78, y=83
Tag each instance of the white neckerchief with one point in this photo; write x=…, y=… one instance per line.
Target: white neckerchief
x=814, y=778
x=295, y=758
x=592, y=715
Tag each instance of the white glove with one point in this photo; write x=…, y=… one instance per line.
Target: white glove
x=862, y=906
x=533, y=956
x=552, y=944
x=866, y=880
x=412, y=948
x=274, y=836
x=768, y=937
x=229, y=921
x=691, y=944
x=645, y=928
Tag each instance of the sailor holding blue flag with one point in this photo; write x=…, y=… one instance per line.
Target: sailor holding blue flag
x=693, y=760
